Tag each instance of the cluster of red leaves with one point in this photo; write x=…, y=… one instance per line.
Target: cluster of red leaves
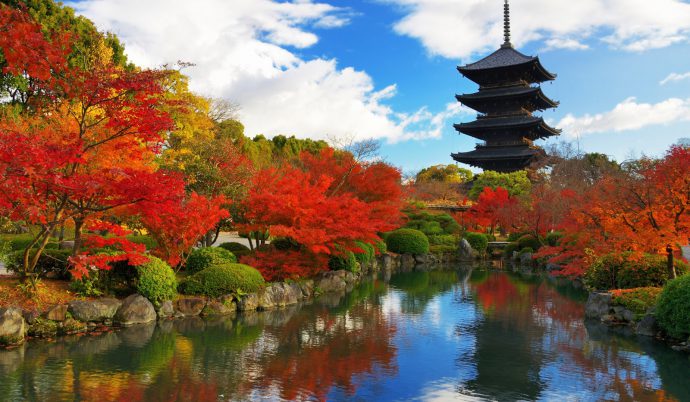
x=325, y=205
x=276, y=265
x=84, y=150
x=491, y=209
x=177, y=224
x=641, y=211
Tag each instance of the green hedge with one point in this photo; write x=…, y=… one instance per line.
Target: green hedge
x=443, y=240
x=623, y=271
x=381, y=247
x=637, y=300
x=202, y=258
x=233, y=246
x=219, y=280
x=156, y=281
x=673, y=308
x=443, y=249
x=478, y=241
x=433, y=224
x=51, y=261
x=407, y=241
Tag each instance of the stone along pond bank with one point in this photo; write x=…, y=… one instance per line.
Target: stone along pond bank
x=81, y=316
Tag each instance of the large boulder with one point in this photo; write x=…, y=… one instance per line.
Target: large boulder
x=12, y=326
x=190, y=306
x=307, y=288
x=598, y=305
x=248, y=302
x=166, y=309
x=94, y=310
x=466, y=251
x=330, y=282
x=219, y=307
x=407, y=261
x=279, y=295
x=56, y=313
x=135, y=309
x=647, y=326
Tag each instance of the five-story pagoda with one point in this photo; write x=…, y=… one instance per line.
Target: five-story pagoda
x=506, y=101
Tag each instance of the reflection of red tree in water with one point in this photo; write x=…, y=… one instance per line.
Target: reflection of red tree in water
x=534, y=311
x=317, y=354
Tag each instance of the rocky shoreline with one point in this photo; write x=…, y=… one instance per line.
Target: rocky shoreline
x=600, y=306
x=81, y=316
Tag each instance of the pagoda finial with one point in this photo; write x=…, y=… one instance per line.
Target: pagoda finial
x=506, y=25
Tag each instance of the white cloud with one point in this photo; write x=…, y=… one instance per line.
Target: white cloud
x=673, y=77
x=242, y=50
x=463, y=28
x=627, y=115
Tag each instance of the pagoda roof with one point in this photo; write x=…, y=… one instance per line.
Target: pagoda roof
x=505, y=152
x=477, y=99
x=480, y=127
x=507, y=58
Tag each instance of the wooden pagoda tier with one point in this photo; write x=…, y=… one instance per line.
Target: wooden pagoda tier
x=508, y=95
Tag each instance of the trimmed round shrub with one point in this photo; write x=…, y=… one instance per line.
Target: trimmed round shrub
x=452, y=228
x=156, y=281
x=202, y=258
x=553, y=238
x=513, y=237
x=51, y=262
x=625, y=271
x=234, y=246
x=478, y=241
x=529, y=241
x=673, y=308
x=348, y=262
x=367, y=254
x=219, y=280
x=407, y=241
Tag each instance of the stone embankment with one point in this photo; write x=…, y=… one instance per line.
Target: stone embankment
x=80, y=316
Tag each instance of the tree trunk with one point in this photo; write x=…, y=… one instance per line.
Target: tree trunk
x=61, y=235
x=671, y=268
x=78, y=223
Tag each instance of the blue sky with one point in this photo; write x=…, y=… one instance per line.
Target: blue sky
x=386, y=69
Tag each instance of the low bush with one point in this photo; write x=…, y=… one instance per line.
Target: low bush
x=407, y=241
x=553, y=239
x=673, y=307
x=381, y=247
x=233, y=246
x=51, y=262
x=348, y=262
x=529, y=241
x=509, y=249
x=627, y=271
x=21, y=241
x=87, y=287
x=526, y=250
x=637, y=300
x=513, y=237
x=219, y=280
x=478, y=241
x=443, y=240
x=283, y=243
x=367, y=254
x=443, y=249
x=433, y=224
x=202, y=258
x=156, y=281
x=147, y=241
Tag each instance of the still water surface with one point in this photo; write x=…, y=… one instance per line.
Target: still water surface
x=461, y=334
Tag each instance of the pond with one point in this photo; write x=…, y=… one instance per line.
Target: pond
x=451, y=334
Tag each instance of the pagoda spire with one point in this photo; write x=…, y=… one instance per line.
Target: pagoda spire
x=506, y=25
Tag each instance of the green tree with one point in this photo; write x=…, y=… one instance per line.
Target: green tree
x=444, y=174
x=517, y=183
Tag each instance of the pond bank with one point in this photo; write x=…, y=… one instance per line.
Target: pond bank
x=81, y=316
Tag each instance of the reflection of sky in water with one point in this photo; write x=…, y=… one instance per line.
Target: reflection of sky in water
x=424, y=337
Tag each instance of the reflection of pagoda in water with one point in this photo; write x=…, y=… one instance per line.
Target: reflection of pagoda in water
x=506, y=102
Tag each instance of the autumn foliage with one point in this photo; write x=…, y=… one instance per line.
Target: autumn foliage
x=324, y=206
